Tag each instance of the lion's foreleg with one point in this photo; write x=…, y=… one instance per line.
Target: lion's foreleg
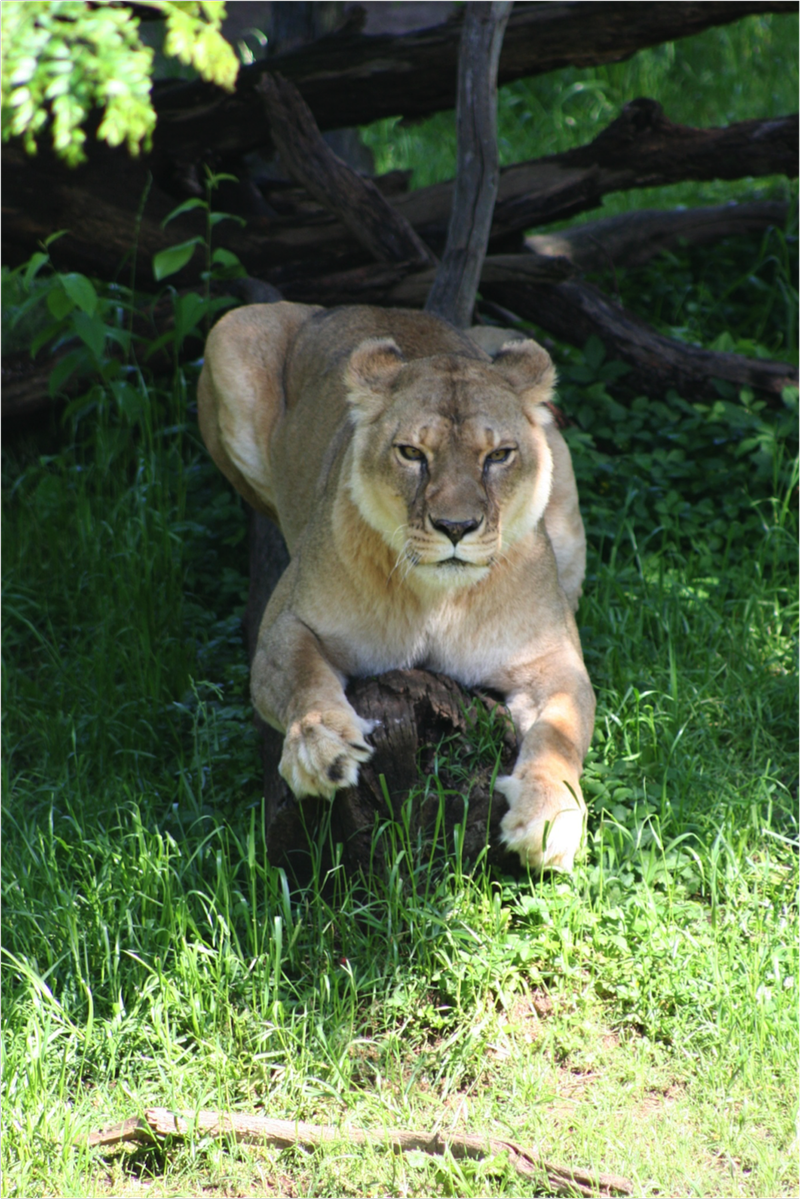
x=297, y=690
x=545, y=820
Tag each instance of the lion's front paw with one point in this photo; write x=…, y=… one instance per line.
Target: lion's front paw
x=322, y=751
x=544, y=822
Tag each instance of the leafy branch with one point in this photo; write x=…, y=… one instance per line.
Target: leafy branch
x=61, y=58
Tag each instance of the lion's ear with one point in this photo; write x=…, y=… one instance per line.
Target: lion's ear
x=370, y=372
x=529, y=369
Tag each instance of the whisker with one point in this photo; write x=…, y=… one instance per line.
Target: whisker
x=406, y=557
x=401, y=557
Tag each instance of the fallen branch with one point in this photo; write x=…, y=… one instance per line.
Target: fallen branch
x=284, y=1134
x=26, y=385
x=634, y=238
x=573, y=311
x=349, y=79
x=97, y=202
x=357, y=202
x=404, y=285
x=641, y=148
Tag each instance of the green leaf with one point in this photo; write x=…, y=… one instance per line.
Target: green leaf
x=48, y=241
x=189, y=311
x=59, y=303
x=47, y=334
x=789, y=397
x=225, y=258
x=81, y=292
x=130, y=400
x=594, y=352
x=216, y=217
x=34, y=265
x=92, y=332
x=121, y=336
x=170, y=261
x=152, y=347
x=416, y=1159
x=63, y=369
x=187, y=206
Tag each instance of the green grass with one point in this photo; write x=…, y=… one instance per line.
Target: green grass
x=638, y=1017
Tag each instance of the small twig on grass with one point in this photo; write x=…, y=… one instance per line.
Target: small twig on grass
x=283, y=1134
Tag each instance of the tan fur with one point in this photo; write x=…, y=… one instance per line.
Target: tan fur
x=368, y=434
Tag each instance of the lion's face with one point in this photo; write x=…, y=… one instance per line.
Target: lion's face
x=450, y=463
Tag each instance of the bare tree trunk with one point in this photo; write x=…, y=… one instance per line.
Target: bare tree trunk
x=477, y=165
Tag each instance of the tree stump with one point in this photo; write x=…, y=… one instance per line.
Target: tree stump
x=426, y=773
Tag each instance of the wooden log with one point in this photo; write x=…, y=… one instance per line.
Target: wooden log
x=422, y=785
x=97, y=202
x=360, y=206
x=349, y=79
x=574, y=310
x=633, y=238
x=404, y=285
x=641, y=148
x=627, y=240
x=452, y=295
x=26, y=382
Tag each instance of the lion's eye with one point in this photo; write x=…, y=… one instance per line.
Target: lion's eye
x=502, y=455
x=411, y=453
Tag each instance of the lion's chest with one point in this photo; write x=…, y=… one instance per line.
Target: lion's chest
x=469, y=651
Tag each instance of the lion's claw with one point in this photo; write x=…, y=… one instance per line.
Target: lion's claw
x=323, y=750
x=544, y=823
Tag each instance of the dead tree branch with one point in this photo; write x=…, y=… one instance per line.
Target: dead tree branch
x=97, y=202
x=349, y=79
x=635, y=237
x=285, y=1134
x=357, y=202
x=573, y=311
x=404, y=285
x=477, y=164
x=641, y=148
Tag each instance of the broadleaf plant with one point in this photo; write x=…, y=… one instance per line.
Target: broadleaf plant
x=62, y=58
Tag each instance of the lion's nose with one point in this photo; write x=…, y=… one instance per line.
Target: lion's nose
x=455, y=529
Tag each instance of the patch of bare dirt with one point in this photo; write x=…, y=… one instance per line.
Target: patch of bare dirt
x=658, y=1099
x=527, y=1013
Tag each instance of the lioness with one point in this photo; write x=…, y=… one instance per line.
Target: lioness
x=430, y=510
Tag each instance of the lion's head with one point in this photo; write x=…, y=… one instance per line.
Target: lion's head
x=450, y=462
